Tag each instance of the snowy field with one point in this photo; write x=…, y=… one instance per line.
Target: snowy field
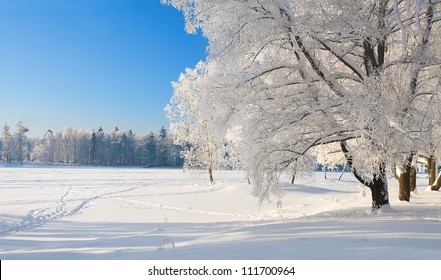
x=125, y=213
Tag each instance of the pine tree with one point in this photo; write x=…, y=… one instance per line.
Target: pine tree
x=162, y=148
x=115, y=147
x=100, y=141
x=130, y=148
x=162, y=133
x=150, y=150
x=93, y=151
x=124, y=142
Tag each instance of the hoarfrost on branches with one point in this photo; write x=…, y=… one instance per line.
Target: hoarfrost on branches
x=292, y=75
x=191, y=114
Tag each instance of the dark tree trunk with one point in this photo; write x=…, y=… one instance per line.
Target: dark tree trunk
x=437, y=184
x=404, y=180
x=210, y=175
x=293, y=178
x=342, y=172
x=431, y=167
x=413, y=179
x=378, y=185
x=404, y=185
x=294, y=173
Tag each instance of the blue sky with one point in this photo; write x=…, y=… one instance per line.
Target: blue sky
x=91, y=63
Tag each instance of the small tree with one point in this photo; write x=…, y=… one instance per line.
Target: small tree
x=162, y=148
x=6, y=149
x=93, y=150
x=20, y=131
x=328, y=156
x=149, y=158
x=191, y=124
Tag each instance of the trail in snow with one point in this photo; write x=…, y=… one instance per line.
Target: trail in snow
x=187, y=209
x=39, y=217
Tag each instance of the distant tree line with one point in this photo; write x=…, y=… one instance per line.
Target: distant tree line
x=14, y=145
x=92, y=147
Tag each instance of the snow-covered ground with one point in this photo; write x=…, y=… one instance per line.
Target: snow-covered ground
x=128, y=213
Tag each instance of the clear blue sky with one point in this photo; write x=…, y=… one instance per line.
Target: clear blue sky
x=91, y=63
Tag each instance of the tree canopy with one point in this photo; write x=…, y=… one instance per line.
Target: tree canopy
x=285, y=76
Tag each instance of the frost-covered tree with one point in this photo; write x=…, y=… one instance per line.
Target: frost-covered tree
x=49, y=141
x=191, y=116
x=329, y=156
x=114, y=142
x=69, y=145
x=45, y=150
x=6, y=148
x=291, y=75
x=20, y=137
x=129, y=148
x=83, y=146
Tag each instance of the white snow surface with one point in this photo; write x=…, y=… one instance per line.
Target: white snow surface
x=134, y=213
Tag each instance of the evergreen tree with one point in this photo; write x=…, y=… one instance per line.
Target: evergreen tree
x=150, y=150
x=162, y=148
x=130, y=148
x=115, y=141
x=124, y=150
x=93, y=151
x=162, y=133
x=100, y=142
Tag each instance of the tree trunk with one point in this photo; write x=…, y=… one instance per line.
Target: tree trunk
x=404, y=180
x=210, y=175
x=404, y=185
x=294, y=173
x=413, y=179
x=437, y=184
x=293, y=177
x=431, y=167
x=378, y=185
x=342, y=172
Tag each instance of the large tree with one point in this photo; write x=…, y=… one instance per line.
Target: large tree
x=291, y=75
